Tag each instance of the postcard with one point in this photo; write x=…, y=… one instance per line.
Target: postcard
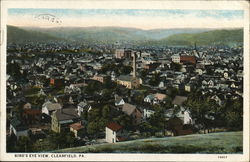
x=124, y=80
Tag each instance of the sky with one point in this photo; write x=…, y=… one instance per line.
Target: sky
x=134, y=18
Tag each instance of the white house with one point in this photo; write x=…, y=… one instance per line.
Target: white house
x=155, y=98
x=199, y=71
x=226, y=75
x=147, y=113
x=119, y=101
x=149, y=98
x=176, y=58
x=113, y=132
x=83, y=106
x=188, y=88
x=182, y=113
x=185, y=116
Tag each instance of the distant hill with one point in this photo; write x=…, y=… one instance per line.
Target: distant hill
x=224, y=142
x=169, y=37
x=15, y=34
x=112, y=34
x=215, y=37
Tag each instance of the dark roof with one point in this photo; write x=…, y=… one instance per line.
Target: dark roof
x=18, y=125
x=114, y=126
x=178, y=100
x=125, y=77
x=66, y=114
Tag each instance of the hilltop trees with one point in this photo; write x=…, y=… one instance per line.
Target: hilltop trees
x=208, y=114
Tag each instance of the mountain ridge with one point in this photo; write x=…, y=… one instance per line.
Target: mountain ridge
x=183, y=36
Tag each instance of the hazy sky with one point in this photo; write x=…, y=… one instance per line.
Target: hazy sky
x=136, y=18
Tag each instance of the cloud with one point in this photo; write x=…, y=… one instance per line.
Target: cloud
x=145, y=19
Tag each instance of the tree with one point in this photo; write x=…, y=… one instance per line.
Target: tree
x=93, y=128
x=13, y=69
x=234, y=114
x=125, y=121
x=168, y=102
x=203, y=110
x=172, y=92
x=155, y=80
x=146, y=128
x=24, y=144
x=125, y=70
x=175, y=66
x=157, y=120
x=93, y=86
x=106, y=112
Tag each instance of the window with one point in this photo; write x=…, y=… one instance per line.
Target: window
x=113, y=141
x=113, y=132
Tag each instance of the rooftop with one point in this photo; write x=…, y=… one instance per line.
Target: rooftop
x=114, y=126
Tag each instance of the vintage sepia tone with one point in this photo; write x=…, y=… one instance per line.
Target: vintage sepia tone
x=83, y=81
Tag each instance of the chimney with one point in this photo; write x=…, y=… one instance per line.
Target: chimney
x=134, y=65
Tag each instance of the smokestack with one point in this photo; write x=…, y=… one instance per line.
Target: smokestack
x=134, y=65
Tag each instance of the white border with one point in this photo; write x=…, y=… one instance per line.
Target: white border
x=225, y=5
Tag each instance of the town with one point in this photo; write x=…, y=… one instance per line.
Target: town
x=62, y=95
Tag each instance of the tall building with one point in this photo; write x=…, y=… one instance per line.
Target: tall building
x=123, y=53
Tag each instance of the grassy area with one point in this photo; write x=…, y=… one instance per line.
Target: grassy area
x=224, y=142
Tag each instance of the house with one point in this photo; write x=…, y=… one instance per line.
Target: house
x=199, y=71
x=32, y=116
x=177, y=127
x=155, y=98
x=128, y=81
x=123, y=53
x=175, y=58
x=134, y=112
x=100, y=78
x=62, y=118
x=188, y=88
x=82, y=106
x=57, y=81
x=113, y=132
x=119, y=101
x=188, y=59
x=181, y=113
x=149, y=98
x=49, y=107
x=147, y=111
x=77, y=129
x=27, y=106
x=18, y=128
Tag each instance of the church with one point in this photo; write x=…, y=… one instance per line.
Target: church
x=129, y=81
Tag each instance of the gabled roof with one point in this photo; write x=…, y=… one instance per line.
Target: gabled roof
x=53, y=106
x=114, y=126
x=150, y=96
x=66, y=114
x=128, y=108
x=18, y=125
x=160, y=96
x=118, y=99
